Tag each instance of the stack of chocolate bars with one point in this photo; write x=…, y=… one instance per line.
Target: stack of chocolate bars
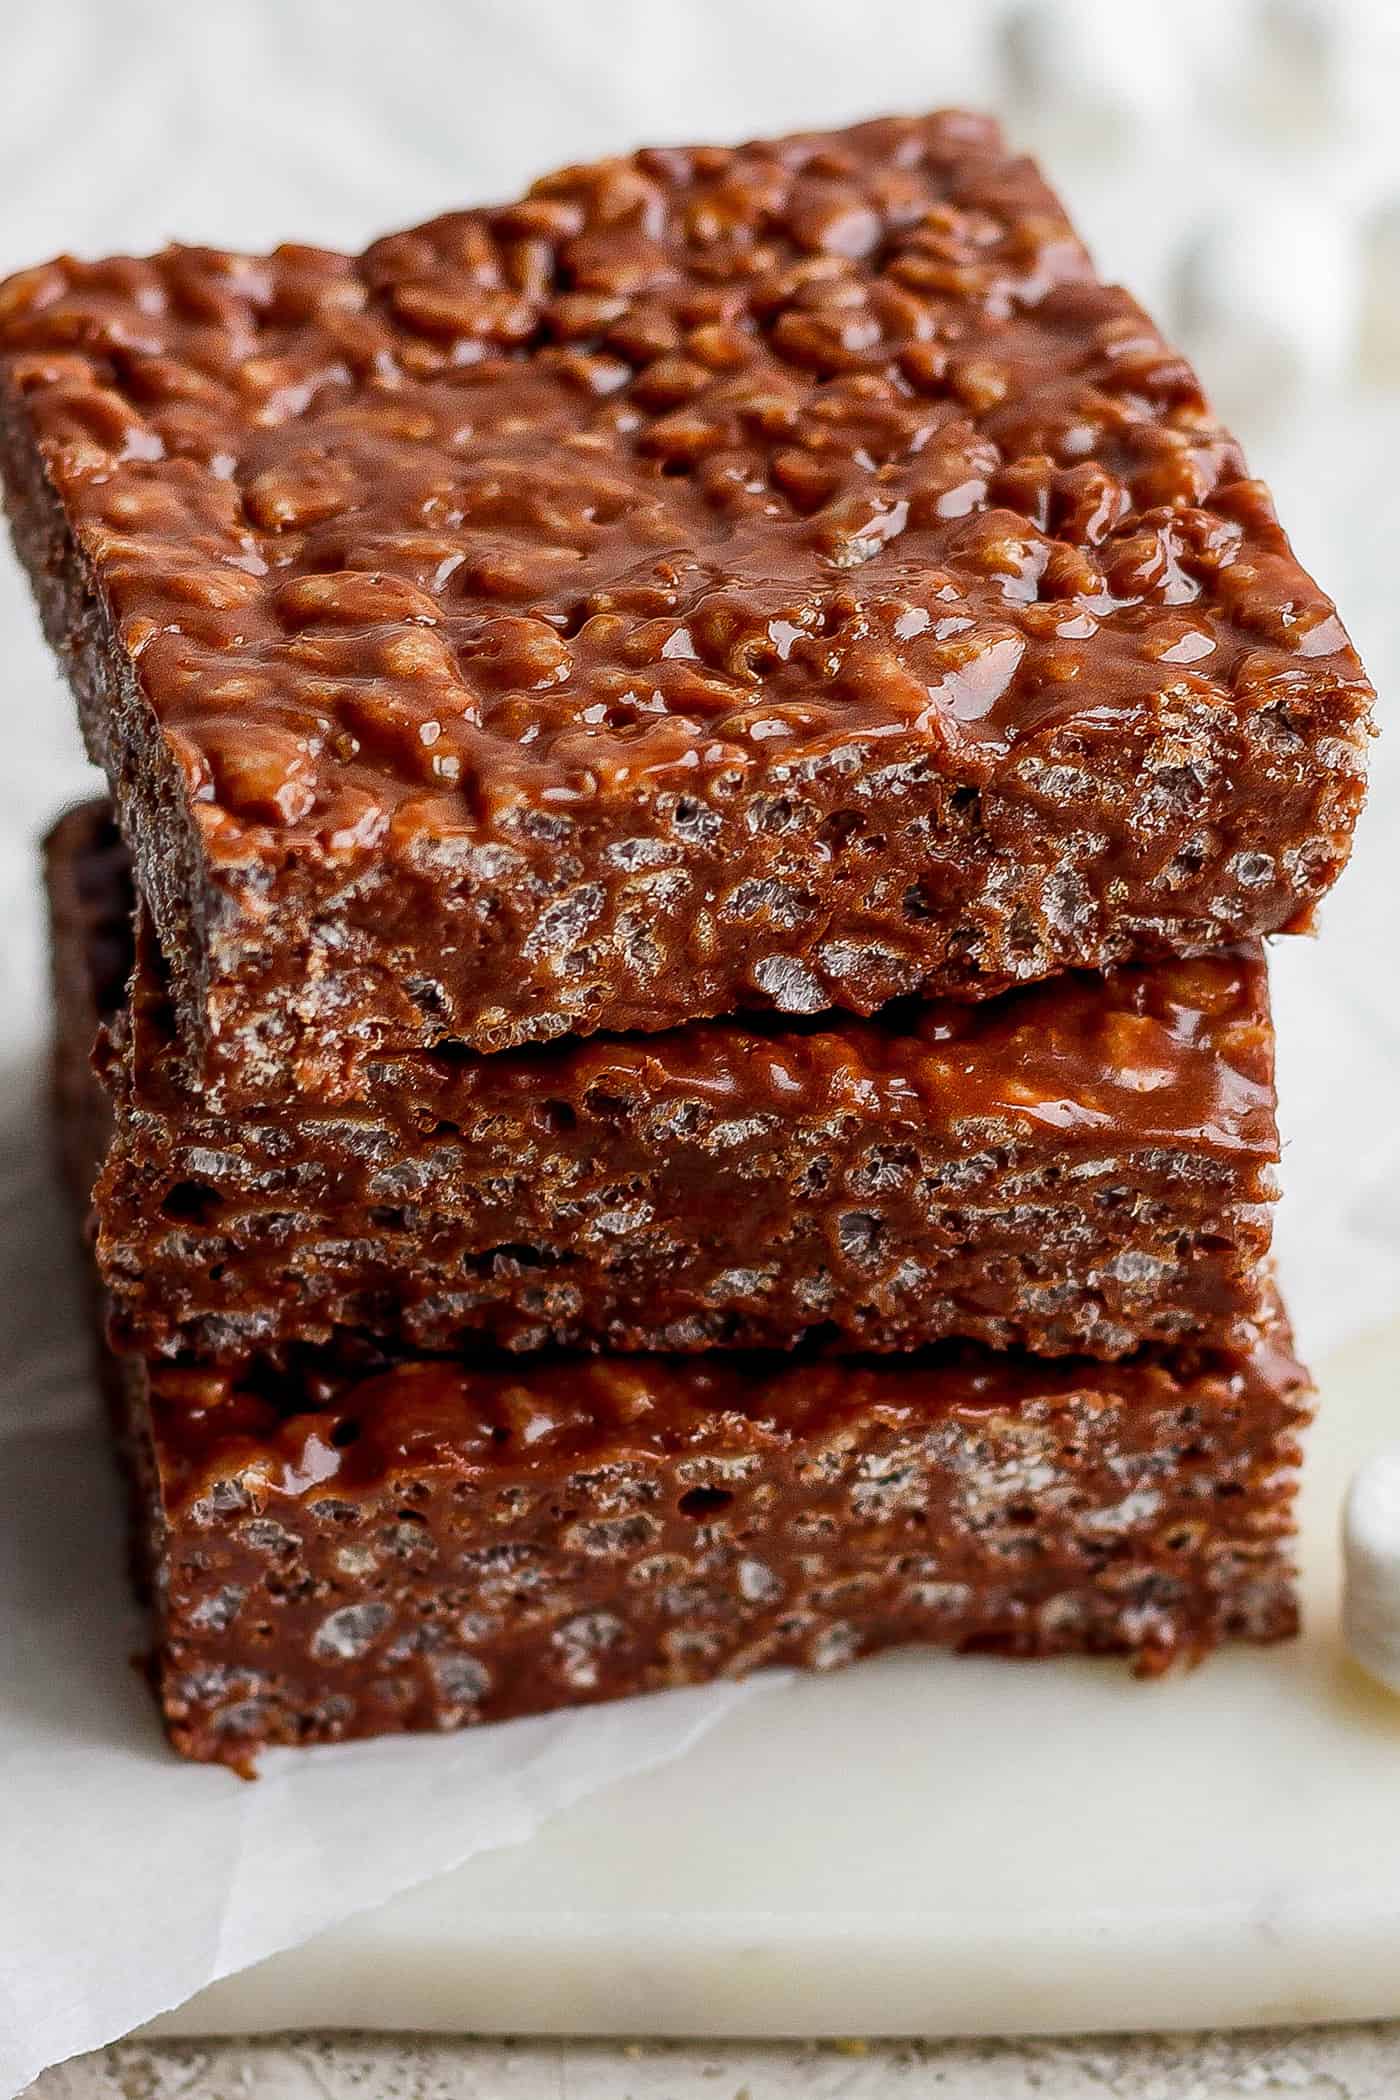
x=684, y=1069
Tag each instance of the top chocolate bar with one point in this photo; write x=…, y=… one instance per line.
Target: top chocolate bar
x=775, y=576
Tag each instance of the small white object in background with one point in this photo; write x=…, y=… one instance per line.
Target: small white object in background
x=1379, y=330
x=1098, y=74
x=1371, y=1551
x=1237, y=302
x=1296, y=52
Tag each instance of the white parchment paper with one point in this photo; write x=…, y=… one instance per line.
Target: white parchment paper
x=1239, y=167
x=130, y=1878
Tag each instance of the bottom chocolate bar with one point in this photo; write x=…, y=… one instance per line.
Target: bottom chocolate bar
x=439, y=1544
x=335, y=1551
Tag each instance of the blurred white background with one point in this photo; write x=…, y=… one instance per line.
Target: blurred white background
x=1236, y=162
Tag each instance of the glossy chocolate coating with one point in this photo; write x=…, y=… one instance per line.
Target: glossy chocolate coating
x=722, y=578
x=1080, y=1166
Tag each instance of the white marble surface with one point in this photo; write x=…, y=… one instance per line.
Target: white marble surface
x=1239, y=165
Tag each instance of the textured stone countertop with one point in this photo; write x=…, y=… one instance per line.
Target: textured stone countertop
x=1341, y=2063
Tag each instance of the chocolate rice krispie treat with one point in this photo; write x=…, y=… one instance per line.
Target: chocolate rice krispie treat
x=442, y=1544
x=781, y=576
